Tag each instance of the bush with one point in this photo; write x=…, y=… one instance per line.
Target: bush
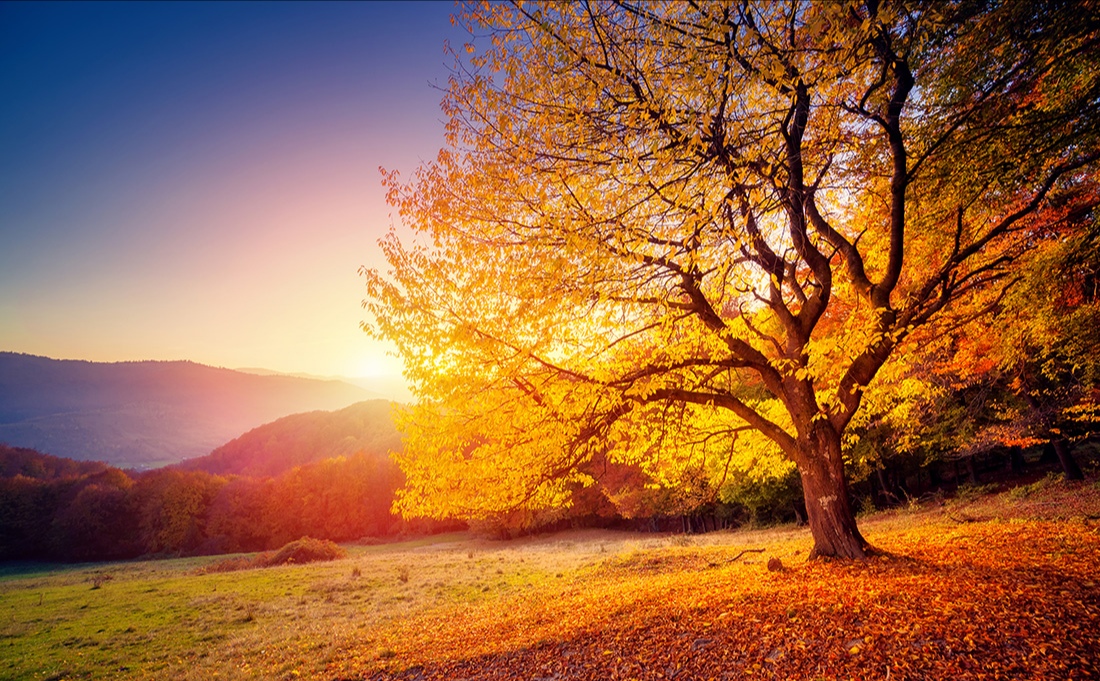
x=233, y=564
x=1023, y=491
x=304, y=550
x=970, y=492
x=769, y=501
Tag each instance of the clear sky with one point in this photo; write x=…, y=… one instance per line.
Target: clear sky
x=200, y=180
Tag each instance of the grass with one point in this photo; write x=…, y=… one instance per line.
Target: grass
x=455, y=600
x=163, y=619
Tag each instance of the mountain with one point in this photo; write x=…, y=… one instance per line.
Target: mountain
x=145, y=414
x=387, y=387
x=300, y=439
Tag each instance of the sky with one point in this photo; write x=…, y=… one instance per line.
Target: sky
x=201, y=181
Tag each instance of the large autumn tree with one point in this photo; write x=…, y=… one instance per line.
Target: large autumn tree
x=687, y=235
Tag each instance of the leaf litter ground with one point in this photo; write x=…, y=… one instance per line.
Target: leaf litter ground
x=999, y=588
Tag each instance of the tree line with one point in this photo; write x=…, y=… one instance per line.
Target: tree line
x=54, y=509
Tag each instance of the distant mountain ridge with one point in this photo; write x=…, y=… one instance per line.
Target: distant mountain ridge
x=149, y=413
x=386, y=387
x=299, y=439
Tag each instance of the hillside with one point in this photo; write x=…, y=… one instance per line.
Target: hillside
x=299, y=439
x=53, y=508
x=31, y=464
x=145, y=414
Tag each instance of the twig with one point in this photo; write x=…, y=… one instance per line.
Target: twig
x=964, y=518
x=731, y=560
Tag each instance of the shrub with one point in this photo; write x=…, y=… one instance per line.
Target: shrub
x=867, y=506
x=233, y=564
x=101, y=578
x=769, y=501
x=1023, y=491
x=971, y=492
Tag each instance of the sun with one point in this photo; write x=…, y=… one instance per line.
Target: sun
x=376, y=361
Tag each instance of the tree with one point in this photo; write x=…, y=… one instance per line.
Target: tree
x=99, y=523
x=173, y=507
x=1036, y=380
x=687, y=235
x=1053, y=357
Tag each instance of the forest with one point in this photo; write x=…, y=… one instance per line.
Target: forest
x=250, y=495
x=51, y=511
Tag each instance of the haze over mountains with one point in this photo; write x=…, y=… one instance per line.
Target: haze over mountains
x=300, y=439
x=147, y=414
x=388, y=387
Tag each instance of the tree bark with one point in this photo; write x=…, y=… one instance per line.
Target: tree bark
x=972, y=470
x=1015, y=462
x=1065, y=457
x=828, y=506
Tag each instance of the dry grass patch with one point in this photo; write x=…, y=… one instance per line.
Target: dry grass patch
x=297, y=552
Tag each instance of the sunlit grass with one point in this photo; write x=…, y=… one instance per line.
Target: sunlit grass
x=162, y=619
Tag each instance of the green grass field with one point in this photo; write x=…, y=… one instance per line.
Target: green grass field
x=159, y=619
x=387, y=607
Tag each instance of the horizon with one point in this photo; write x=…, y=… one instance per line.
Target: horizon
x=259, y=371
x=383, y=386
x=200, y=182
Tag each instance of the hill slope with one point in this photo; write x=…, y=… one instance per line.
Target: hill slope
x=31, y=464
x=145, y=414
x=276, y=447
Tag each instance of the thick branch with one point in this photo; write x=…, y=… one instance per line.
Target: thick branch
x=770, y=429
x=852, y=257
x=899, y=177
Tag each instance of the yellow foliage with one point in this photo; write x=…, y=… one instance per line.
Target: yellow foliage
x=689, y=238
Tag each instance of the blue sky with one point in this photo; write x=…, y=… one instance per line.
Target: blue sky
x=200, y=180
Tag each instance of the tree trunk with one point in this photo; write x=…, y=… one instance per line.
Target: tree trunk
x=1015, y=462
x=828, y=506
x=935, y=477
x=889, y=490
x=1065, y=457
x=800, y=513
x=972, y=470
x=1059, y=445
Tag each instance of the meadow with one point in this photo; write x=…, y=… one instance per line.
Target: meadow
x=985, y=585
